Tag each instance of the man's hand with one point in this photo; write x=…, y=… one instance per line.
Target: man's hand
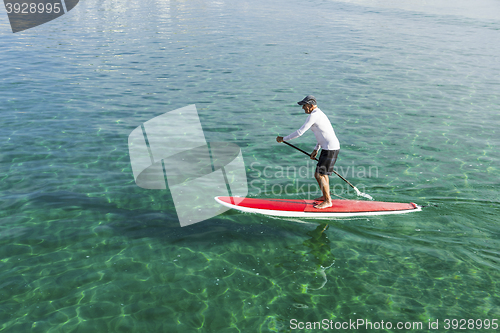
x=313, y=154
x=279, y=139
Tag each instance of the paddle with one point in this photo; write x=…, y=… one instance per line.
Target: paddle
x=358, y=192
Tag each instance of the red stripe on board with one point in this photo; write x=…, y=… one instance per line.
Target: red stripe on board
x=339, y=206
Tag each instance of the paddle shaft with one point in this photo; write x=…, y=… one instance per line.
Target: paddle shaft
x=354, y=187
x=299, y=149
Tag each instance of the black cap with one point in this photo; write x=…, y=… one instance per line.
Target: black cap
x=309, y=99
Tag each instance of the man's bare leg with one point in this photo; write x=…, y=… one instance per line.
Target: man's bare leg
x=324, y=185
x=318, y=179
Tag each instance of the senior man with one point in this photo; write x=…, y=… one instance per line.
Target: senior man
x=319, y=123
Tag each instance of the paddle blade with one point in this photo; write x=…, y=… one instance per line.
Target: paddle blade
x=361, y=194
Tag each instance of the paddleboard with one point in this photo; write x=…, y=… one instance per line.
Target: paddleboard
x=305, y=208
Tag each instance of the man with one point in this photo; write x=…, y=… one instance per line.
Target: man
x=325, y=135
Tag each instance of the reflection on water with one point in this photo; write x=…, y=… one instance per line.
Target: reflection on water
x=319, y=246
x=483, y=9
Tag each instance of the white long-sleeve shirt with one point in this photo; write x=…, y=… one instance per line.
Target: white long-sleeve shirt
x=319, y=123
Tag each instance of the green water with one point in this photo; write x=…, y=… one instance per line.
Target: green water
x=413, y=97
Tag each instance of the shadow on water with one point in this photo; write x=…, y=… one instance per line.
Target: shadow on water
x=134, y=215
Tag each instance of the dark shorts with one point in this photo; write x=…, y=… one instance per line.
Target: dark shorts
x=326, y=162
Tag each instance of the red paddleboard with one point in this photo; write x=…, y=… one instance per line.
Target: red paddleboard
x=305, y=208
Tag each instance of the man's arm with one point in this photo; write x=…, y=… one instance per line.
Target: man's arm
x=307, y=125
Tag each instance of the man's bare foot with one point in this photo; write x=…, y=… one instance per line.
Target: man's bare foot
x=321, y=198
x=324, y=204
